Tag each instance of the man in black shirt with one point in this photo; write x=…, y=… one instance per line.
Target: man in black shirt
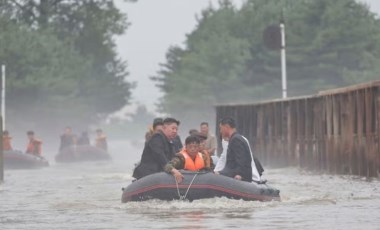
x=158, y=151
x=240, y=164
x=67, y=139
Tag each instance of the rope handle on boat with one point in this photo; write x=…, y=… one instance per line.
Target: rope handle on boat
x=179, y=194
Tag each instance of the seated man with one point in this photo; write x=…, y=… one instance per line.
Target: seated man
x=7, y=139
x=67, y=139
x=189, y=159
x=35, y=146
x=210, y=143
x=101, y=140
x=240, y=164
x=202, y=149
x=83, y=139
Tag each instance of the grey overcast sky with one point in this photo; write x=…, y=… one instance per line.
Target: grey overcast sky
x=155, y=26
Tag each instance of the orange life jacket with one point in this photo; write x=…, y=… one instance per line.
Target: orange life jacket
x=7, y=143
x=191, y=165
x=34, y=147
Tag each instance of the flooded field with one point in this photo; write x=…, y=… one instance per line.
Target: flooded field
x=87, y=196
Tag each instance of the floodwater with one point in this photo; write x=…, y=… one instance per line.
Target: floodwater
x=87, y=196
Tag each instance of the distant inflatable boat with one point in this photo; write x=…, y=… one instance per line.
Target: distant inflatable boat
x=82, y=153
x=196, y=186
x=19, y=160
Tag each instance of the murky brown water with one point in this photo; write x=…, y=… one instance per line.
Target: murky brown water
x=87, y=196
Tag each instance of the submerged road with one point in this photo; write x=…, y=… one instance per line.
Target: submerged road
x=87, y=196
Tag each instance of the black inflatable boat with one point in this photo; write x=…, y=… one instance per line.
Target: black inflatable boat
x=18, y=160
x=196, y=185
x=82, y=153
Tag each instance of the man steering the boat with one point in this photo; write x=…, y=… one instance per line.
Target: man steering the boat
x=190, y=158
x=158, y=150
x=241, y=163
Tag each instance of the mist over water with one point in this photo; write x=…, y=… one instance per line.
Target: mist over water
x=87, y=196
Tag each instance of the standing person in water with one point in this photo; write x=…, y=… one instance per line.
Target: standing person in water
x=158, y=150
x=7, y=141
x=34, y=146
x=240, y=164
x=67, y=139
x=101, y=140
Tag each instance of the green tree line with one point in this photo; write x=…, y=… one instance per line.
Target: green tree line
x=224, y=60
x=62, y=64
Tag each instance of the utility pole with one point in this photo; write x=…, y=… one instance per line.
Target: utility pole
x=274, y=39
x=283, y=57
x=3, y=95
x=2, y=87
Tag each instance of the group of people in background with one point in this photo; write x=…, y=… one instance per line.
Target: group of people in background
x=163, y=151
x=33, y=147
x=68, y=139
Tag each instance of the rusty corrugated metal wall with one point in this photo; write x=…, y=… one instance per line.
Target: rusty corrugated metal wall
x=336, y=131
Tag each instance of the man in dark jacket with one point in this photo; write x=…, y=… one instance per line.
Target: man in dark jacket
x=158, y=151
x=241, y=164
x=67, y=139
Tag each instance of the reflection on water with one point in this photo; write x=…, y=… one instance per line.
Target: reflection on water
x=87, y=196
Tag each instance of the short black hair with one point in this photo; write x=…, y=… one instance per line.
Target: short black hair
x=193, y=132
x=170, y=120
x=204, y=123
x=157, y=121
x=228, y=121
x=196, y=133
x=6, y=132
x=192, y=139
x=30, y=133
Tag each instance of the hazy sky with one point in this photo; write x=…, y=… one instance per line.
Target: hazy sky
x=155, y=26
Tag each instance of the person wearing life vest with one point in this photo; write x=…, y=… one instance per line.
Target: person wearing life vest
x=202, y=149
x=189, y=158
x=7, y=146
x=101, y=140
x=34, y=146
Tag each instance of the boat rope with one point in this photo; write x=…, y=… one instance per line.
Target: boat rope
x=183, y=197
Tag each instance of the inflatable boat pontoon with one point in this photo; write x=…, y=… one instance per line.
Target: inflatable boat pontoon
x=196, y=185
x=18, y=160
x=82, y=153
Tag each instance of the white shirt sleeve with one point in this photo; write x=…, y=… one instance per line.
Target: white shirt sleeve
x=223, y=157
